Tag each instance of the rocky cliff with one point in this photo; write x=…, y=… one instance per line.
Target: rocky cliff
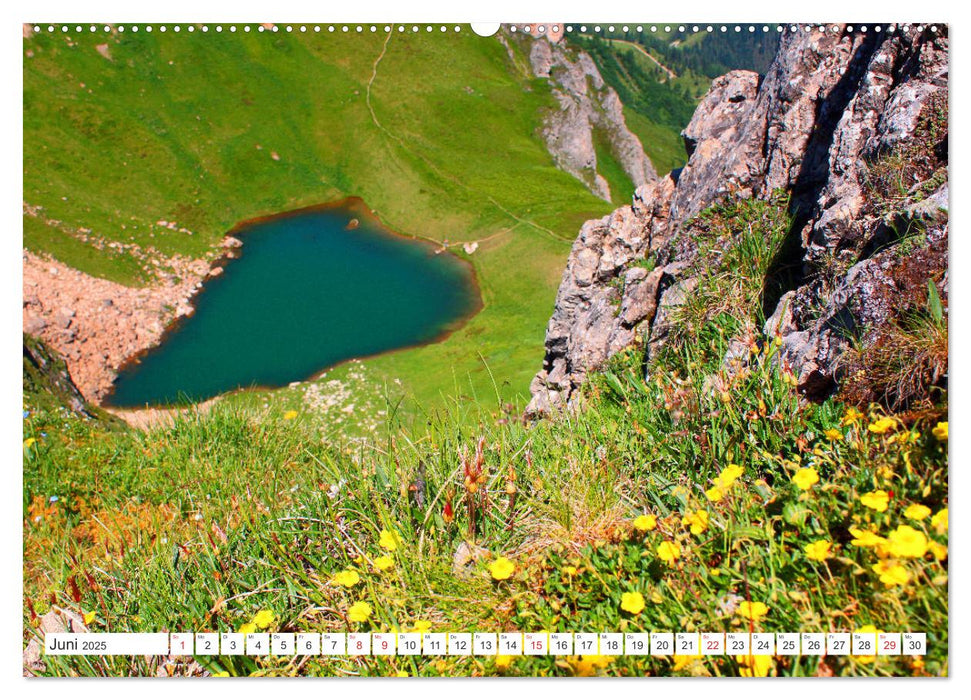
x=589, y=112
x=46, y=380
x=848, y=130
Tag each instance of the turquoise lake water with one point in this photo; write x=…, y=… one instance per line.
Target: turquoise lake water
x=305, y=294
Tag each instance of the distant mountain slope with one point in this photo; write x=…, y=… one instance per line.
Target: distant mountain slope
x=710, y=53
x=586, y=132
x=660, y=77
x=163, y=141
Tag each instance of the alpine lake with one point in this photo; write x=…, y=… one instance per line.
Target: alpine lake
x=306, y=291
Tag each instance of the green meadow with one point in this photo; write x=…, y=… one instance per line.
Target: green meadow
x=438, y=133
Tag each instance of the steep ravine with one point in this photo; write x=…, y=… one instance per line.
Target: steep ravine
x=837, y=114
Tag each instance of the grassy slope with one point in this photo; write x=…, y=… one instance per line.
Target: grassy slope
x=204, y=524
x=168, y=129
x=697, y=85
x=666, y=146
x=612, y=171
x=749, y=494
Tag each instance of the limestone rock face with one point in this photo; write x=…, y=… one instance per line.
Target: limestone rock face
x=831, y=105
x=587, y=109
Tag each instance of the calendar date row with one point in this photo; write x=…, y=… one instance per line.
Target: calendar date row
x=490, y=644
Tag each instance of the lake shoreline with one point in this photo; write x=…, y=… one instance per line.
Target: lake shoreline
x=233, y=247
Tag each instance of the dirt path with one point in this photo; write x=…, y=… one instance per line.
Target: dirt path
x=670, y=73
x=370, y=82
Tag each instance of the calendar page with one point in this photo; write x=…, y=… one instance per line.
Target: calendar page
x=527, y=349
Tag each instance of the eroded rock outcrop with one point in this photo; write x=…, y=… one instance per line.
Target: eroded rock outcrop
x=852, y=128
x=588, y=112
x=96, y=324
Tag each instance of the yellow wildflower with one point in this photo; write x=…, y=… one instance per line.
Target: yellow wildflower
x=905, y=437
x=940, y=431
x=347, y=578
x=383, y=563
x=750, y=666
x=401, y=674
x=668, y=552
x=877, y=500
x=290, y=415
x=728, y=476
x=683, y=661
x=570, y=570
x=503, y=661
x=891, y=573
x=501, y=569
x=939, y=521
x=881, y=426
x=905, y=541
x=29, y=441
x=833, y=434
x=753, y=611
x=389, y=539
x=359, y=612
x=697, y=521
x=917, y=511
x=851, y=416
x=248, y=628
x=818, y=550
x=644, y=523
x=938, y=550
x=263, y=619
x=221, y=674
x=421, y=626
x=89, y=618
x=632, y=603
x=805, y=478
x=714, y=494
x=865, y=538
x=588, y=665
